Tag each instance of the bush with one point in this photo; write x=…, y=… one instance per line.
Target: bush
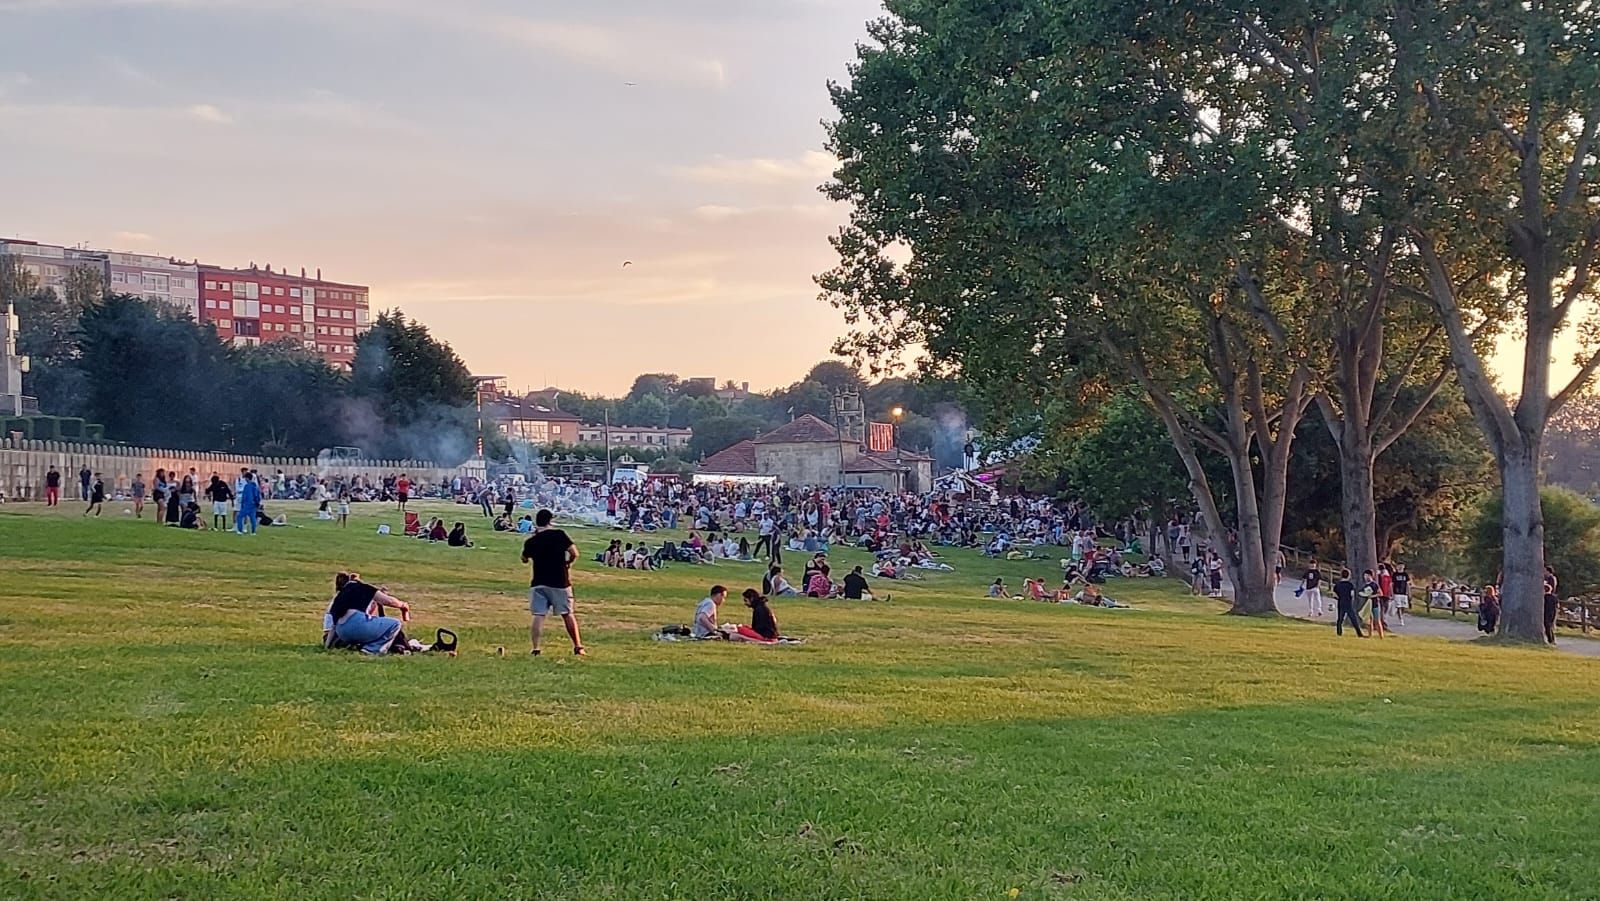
x=1571, y=539
x=44, y=428
x=70, y=428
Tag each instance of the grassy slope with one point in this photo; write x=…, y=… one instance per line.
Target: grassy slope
x=170, y=730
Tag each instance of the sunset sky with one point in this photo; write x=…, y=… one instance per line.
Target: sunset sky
x=482, y=164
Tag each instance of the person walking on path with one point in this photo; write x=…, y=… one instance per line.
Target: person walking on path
x=551, y=553
x=1370, y=592
x=1402, y=593
x=1344, y=593
x=52, y=488
x=1311, y=588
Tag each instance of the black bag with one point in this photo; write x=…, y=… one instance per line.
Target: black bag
x=444, y=642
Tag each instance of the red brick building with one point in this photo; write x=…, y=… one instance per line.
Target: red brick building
x=259, y=306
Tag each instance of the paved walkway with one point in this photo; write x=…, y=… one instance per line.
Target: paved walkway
x=1461, y=628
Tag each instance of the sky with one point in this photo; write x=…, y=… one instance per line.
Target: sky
x=484, y=165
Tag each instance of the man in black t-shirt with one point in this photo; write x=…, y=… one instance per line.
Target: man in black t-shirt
x=1345, y=591
x=855, y=585
x=551, y=552
x=52, y=487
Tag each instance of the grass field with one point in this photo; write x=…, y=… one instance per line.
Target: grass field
x=170, y=729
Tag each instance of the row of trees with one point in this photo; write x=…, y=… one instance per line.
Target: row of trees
x=934, y=420
x=156, y=378
x=1254, y=216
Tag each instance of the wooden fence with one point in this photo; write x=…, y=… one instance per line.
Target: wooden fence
x=1581, y=613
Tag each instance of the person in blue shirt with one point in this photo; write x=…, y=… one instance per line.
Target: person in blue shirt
x=248, y=502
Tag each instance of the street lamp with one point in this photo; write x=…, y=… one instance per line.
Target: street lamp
x=896, y=414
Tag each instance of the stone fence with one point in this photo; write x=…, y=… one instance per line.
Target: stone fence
x=23, y=465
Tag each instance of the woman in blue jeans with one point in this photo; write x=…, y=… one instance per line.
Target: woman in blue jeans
x=355, y=615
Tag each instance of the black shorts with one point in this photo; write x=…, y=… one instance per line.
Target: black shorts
x=404, y=497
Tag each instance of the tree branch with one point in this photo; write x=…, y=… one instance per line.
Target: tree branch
x=1574, y=177
x=1577, y=384
x=1487, y=405
x=1393, y=392
x=1410, y=419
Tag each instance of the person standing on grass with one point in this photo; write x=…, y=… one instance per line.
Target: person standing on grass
x=84, y=477
x=97, y=497
x=138, y=490
x=249, y=503
x=219, y=494
x=1551, y=604
x=551, y=552
x=402, y=491
x=1311, y=587
x=1344, y=593
x=764, y=531
x=52, y=487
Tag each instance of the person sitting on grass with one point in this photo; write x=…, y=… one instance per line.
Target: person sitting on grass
x=813, y=566
x=820, y=585
x=856, y=587
x=1034, y=590
x=998, y=589
x=763, y=625
x=745, y=556
x=458, y=536
x=355, y=616
x=501, y=524
x=780, y=585
x=190, y=518
x=525, y=524
x=705, y=615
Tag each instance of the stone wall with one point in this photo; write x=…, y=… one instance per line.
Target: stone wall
x=23, y=465
x=800, y=464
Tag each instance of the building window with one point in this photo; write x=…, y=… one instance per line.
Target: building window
x=211, y=286
x=225, y=323
x=295, y=327
x=294, y=292
x=211, y=305
x=294, y=311
x=225, y=286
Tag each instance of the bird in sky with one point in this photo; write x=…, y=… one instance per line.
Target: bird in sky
x=626, y=263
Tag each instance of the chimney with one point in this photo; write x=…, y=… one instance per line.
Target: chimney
x=302, y=272
x=745, y=387
x=269, y=267
x=319, y=273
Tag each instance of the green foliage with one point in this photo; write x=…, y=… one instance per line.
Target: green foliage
x=1123, y=463
x=405, y=371
x=1571, y=539
x=713, y=435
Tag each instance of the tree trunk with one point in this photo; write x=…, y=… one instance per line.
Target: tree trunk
x=1358, y=507
x=1250, y=571
x=1522, y=529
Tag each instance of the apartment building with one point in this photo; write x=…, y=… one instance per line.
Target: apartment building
x=259, y=305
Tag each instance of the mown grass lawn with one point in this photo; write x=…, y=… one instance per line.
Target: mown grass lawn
x=169, y=728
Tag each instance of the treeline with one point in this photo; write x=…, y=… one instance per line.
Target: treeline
x=155, y=378
x=934, y=418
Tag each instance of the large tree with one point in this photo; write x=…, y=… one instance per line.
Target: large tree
x=1493, y=126
x=1066, y=209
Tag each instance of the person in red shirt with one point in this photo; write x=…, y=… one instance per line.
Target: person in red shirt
x=402, y=491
